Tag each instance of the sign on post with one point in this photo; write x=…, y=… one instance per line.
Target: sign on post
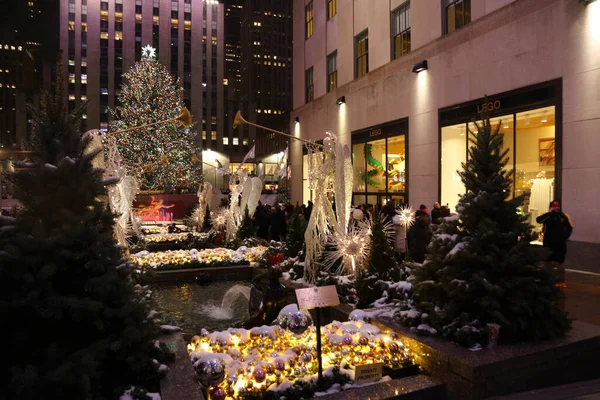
x=367, y=373
x=317, y=297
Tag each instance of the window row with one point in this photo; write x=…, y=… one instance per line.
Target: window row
x=457, y=13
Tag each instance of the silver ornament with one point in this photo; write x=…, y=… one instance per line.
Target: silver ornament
x=211, y=372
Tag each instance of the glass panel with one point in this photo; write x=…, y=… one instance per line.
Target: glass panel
x=372, y=200
x=374, y=152
x=450, y=21
x=458, y=8
x=396, y=166
x=535, y=160
x=454, y=142
x=467, y=11
x=359, y=199
x=358, y=159
x=506, y=130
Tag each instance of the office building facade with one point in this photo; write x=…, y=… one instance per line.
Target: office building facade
x=400, y=83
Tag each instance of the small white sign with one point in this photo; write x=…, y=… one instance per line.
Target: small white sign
x=317, y=297
x=367, y=373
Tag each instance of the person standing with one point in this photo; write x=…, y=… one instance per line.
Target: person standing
x=436, y=213
x=419, y=236
x=557, y=230
x=399, y=238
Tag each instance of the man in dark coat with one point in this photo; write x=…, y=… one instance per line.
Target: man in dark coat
x=557, y=229
x=436, y=213
x=419, y=236
x=388, y=212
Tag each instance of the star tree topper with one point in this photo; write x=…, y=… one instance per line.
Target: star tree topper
x=148, y=52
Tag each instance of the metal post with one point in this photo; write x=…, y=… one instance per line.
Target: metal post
x=319, y=357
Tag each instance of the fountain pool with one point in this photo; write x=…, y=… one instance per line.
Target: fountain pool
x=192, y=307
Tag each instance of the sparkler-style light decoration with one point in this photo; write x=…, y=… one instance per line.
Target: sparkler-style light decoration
x=220, y=219
x=407, y=216
x=352, y=247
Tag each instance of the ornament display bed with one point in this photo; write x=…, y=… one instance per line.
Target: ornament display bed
x=501, y=370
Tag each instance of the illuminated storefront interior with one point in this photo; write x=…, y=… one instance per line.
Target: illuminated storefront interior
x=530, y=139
x=380, y=164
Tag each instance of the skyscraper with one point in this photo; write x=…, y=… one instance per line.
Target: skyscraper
x=266, y=72
x=102, y=39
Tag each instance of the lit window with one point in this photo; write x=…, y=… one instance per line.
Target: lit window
x=309, y=85
x=71, y=25
x=401, y=31
x=226, y=141
x=331, y=8
x=84, y=116
x=225, y=81
x=72, y=97
x=104, y=91
x=187, y=25
x=457, y=15
x=309, y=20
x=332, y=71
x=203, y=135
x=138, y=17
x=155, y=19
x=71, y=63
x=84, y=98
x=213, y=135
x=174, y=23
x=361, y=49
x=103, y=35
x=236, y=141
x=118, y=35
x=245, y=142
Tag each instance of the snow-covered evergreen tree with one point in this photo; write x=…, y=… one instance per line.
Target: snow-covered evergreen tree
x=295, y=234
x=480, y=265
x=75, y=327
x=246, y=229
x=382, y=265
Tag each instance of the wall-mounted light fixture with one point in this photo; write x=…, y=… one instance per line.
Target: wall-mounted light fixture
x=420, y=66
x=340, y=100
x=586, y=2
x=297, y=120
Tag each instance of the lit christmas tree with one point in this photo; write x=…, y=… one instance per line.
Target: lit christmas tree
x=161, y=156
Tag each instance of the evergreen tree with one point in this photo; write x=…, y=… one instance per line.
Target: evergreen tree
x=207, y=223
x=161, y=156
x=75, y=326
x=295, y=234
x=382, y=264
x=246, y=230
x=481, y=266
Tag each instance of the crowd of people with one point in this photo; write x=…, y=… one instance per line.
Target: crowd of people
x=414, y=242
x=272, y=222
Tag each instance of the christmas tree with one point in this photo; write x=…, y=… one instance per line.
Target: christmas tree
x=76, y=326
x=161, y=156
x=381, y=266
x=480, y=267
x=245, y=230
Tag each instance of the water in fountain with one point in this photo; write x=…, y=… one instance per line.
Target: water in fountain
x=225, y=310
x=192, y=307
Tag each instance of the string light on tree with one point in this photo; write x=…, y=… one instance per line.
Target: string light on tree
x=160, y=156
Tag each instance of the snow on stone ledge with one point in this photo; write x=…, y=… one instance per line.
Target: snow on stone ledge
x=169, y=328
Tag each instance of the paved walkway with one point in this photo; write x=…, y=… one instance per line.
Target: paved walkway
x=583, y=296
x=583, y=303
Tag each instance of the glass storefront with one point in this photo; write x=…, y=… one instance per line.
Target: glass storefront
x=379, y=164
x=529, y=136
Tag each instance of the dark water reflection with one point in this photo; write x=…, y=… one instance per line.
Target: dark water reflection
x=193, y=307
